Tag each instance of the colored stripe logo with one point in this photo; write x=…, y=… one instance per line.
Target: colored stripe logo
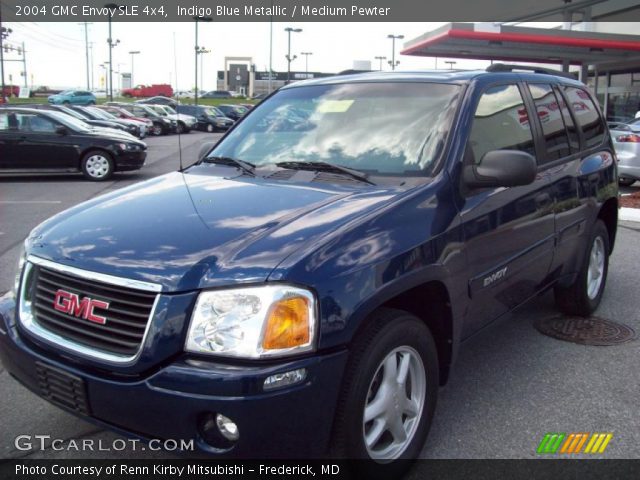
x=568, y=443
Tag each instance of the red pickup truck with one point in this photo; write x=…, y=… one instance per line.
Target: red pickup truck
x=148, y=91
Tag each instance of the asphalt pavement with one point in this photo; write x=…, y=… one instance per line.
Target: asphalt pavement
x=510, y=385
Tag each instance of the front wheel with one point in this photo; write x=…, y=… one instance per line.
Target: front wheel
x=97, y=166
x=210, y=128
x=584, y=295
x=389, y=394
x=156, y=130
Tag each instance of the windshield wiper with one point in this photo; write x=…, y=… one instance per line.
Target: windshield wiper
x=246, y=167
x=326, y=167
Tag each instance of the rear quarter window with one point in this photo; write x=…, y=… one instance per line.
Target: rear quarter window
x=586, y=115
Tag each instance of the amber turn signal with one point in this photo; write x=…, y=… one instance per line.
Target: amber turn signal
x=288, y=324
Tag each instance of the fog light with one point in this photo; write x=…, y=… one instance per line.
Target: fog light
x=228, y=429
x=284, y=379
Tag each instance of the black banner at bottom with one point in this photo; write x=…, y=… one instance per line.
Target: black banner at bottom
x=317, y=469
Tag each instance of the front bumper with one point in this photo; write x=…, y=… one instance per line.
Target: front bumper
x=127, y=160
x=167, y=403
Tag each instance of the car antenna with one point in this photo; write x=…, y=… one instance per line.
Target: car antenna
x=175, y=67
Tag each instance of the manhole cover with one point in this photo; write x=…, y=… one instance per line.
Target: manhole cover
x=586, y=331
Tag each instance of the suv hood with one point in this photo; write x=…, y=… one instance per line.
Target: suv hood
x=189, y=231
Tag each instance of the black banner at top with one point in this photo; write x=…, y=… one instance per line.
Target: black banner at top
x=282, y=10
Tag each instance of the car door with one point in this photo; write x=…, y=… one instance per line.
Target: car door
x=41, y=147
x=9, y=135
x=508, y=231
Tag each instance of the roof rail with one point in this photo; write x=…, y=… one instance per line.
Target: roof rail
x=506, y=67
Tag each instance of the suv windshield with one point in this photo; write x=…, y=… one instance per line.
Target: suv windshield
x=387, y=128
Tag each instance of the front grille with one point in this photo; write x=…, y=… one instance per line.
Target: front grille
x=62, y=388
x=126, y=317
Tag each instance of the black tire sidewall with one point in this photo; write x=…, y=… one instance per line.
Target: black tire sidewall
x=599, y=230
x=97, y=152
x=403, y=330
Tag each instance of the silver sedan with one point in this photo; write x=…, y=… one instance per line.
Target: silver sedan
x=626, y=141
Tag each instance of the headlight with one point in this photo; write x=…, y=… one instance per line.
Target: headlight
x=18, y=274
x=253, y=322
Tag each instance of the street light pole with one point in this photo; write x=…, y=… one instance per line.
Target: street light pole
x=112, y=7
x=86, y=47
x=132, y=53
x=393, y=38
x=306, y=61
x=289, y=58
x=380, y=58
x=197, y=52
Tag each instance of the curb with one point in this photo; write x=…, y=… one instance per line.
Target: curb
x=629, y=214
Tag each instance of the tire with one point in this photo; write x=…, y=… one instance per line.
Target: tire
x=210, y=128
x=97, y=166
x=626, y=182
x=66, y=102
x=180, y=128
x=584, y=295
x=156, y=130
x=92, y=102
x=392, y=338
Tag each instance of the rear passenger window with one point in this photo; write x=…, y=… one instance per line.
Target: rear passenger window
x=548, y=110
x=586, y=115
x=572, y=131
x=501, y=122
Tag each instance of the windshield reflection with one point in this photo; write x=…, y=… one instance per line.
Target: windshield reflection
x=393, y=128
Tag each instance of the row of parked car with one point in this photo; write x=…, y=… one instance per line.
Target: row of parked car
x=626, y=141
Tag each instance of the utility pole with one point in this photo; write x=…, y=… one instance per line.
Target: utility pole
x=86, y=48
x=24, y=65
x=91, y=63
x=4, y=32
x=271, y=47
x=197, y=52
x=111, y=7
x=380, y=58
x=132, y=53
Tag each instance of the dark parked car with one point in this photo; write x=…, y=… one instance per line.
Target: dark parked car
x=234, y=112
x=34, y=141
x=94, y=113
x=217, y=94
x=209, y=118
x=122, y=113
x=303, y=290
x=161, y=125
x=159, y=100
x=90, y=122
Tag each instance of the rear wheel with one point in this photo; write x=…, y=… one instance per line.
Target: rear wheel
x=156, y=130
x=389, y=394
x=97, y=166
x=626, y=182
x=584, y=295
x=66, y=102
x=92, y=102
x=210, y=128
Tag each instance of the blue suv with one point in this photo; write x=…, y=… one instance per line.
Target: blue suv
x=304, y=288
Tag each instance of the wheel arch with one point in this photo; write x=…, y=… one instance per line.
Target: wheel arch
x=609, y=215
x=430, y=302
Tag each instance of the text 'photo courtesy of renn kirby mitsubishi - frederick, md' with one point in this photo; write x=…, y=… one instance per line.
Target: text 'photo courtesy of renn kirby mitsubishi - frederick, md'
x=266, y=239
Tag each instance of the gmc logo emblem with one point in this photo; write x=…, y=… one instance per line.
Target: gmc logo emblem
x=70, y=303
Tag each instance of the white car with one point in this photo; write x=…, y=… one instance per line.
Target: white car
x=184, y=94
x=184, y=123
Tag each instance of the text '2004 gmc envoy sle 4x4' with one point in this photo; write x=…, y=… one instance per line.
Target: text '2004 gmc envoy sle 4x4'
x=303, y=289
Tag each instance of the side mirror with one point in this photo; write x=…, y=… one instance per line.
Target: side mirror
x=61, y=130
x=501, y=168
x=205, y=149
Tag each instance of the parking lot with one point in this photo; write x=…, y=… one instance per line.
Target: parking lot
x=511, y=385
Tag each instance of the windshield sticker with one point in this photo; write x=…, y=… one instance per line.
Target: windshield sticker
x=334, y=106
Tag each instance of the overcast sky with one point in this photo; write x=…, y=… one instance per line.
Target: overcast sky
x=56, y=51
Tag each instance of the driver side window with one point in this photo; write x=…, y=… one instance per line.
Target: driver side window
x=500, y=122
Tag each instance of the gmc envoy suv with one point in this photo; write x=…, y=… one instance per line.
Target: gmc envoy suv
x=302, y=290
